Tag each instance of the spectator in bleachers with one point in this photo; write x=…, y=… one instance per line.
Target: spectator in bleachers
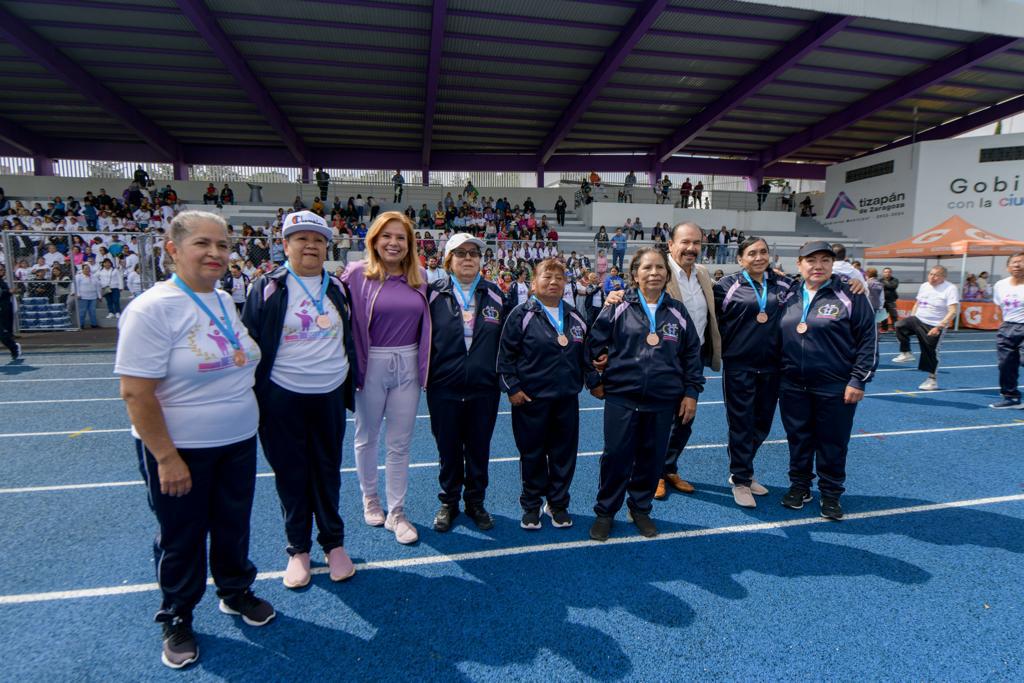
x=227, y=195
x=971, y=290
x=619, y=244
x=87, y=291
x=374, y=208
x=134, y=281
x=323, y=181
x=698, y=192
x=560, y=206
x=665, y=186
x=638, y=229
x=684, y=194
x=787, y=197
x=762, y=193
x=398, y=183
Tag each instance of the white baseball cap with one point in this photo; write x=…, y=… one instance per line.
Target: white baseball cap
x=300, y=221
x=459, y=239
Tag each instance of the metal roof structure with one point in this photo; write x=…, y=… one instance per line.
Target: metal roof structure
x=531, y=85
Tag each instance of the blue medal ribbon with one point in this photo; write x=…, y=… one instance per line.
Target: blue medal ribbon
x=559, y=324
x=808, y=297
x=467, y=301
x=650, y=316
x=225, y=329
x=762, y=297
x=318, y=303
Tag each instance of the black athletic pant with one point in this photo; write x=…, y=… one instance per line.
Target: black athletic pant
x=634, y=447
x=302, y=436
x=560, y=218
x=929, y=343
x=1008, y=342
x=818, y=430
x=547, y=433
x=7, y=329
x=678, y=437
x=750, y=400
x=894, y=315
x=462, y=429
x=219, y=505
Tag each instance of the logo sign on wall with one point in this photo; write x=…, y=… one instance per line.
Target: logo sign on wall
x=842, y=201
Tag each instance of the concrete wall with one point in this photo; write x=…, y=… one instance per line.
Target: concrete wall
x=615, y=215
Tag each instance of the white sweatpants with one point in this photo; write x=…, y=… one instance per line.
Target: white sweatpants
x=391, y=394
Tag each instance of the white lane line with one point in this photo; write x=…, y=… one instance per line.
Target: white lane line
x=426, y=417
x=64, y=379
x=59, y=400
x=580, y=454
x=428, y=560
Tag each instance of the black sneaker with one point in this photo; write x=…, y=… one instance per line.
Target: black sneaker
x=180, y=648
x=643, y=523
x=795, y=497
x=531, y=520
x=559, y=517
x=253, y=610
x=444, y=518
x=600, y=529
x=1007, y=403
x=830, y=508
x=16, y=354
x=481, y=517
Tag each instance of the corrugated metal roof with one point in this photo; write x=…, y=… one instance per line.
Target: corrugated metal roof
x=501, y=25
x=683, y=66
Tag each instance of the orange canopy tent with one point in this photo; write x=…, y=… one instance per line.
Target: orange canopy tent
x=952, y=237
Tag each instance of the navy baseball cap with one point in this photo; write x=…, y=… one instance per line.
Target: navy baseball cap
x=814, y=246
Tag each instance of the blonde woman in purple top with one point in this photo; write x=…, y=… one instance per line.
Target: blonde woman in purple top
x=391, y=330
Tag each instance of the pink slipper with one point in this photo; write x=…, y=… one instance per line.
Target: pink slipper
x=340, y=565
x=297, y=574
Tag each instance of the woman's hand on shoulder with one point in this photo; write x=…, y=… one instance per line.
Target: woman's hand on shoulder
x=614, y=297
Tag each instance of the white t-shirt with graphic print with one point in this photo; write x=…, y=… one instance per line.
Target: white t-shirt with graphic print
x=309, y=360
x=206, y=399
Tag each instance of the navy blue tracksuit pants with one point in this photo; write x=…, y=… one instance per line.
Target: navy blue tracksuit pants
x=1008, y=342
x=679, y=436
x=547, y=433
x=462, y=429
x=219, y=505
x=750, y=400
x=818, y=430
x=634, y=445
x=302, y=436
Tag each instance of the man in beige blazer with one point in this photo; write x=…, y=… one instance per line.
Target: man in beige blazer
x=690, y=284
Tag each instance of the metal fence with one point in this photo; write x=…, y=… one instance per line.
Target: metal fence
x=45, y=271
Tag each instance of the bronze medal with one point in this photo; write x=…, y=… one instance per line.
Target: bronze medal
x=467, y=316
x=652, y=339
x=240, y=359
x=762, y=317
x=801, y=328
x=563, y=340
x=323, y=321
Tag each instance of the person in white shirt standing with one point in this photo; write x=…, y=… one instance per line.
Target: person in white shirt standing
x=1008, y=294
x=933, y=312
x=300, y=317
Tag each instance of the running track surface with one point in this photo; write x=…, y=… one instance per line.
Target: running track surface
x=922, y=581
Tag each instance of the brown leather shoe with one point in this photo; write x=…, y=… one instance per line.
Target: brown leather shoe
x=660, y=493
x=679, y=484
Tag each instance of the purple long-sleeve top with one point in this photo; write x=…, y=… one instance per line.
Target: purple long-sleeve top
x=395, y=320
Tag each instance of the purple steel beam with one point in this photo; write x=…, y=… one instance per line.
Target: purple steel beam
x=32, y=44
x=642, y=20
x=201, y=17
x=964, y=124
x=750, y=84
x=906, y=87
x=437, y=19
x=25, y=140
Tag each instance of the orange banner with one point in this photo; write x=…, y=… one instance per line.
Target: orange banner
x=975, y=315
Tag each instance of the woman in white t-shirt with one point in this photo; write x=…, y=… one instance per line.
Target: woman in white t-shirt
x=87, y=291
x=134, y=281
x=933, y=313
x=111, y=282
x=187, y=364
x=299, y=315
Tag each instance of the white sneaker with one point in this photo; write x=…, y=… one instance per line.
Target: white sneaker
x=743, y=496
x=116, y=316
x=929, y=385
x=756, y=487
x=405, y=532
x=904, y=358
x=372, y=512
x=109, y=316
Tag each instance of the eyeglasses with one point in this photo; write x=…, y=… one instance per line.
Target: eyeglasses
x=461, y=253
